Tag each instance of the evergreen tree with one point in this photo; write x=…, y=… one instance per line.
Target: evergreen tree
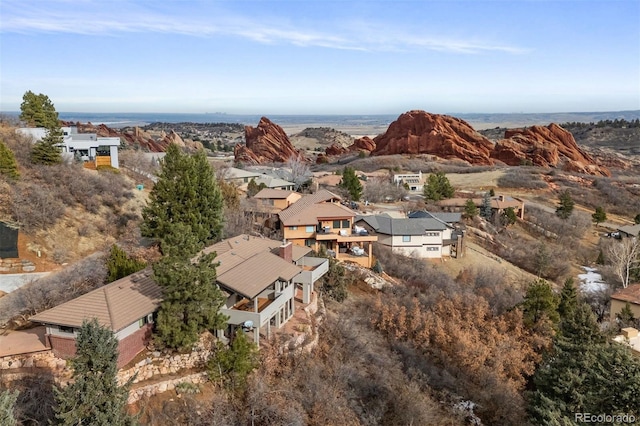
x=186, y=192
x=120, y=265
x=540, y=305
x=232, y=365
x=509, y=216
x=541, y=260
x=7, y=407
x=565, y=205
x=46, y=150
x=191, y=297
x=470, y=209
x=94, y=397
x=351, y=183
x=38, y=111
x=485, y=210
x=253, y=188
x=584, y=374
x=636, y=219
x=8, y=165
x=437, y=187
x=625, y=317
x=568, y=299
x=599, y=215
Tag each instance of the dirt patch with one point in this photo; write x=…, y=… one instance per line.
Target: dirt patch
x=480, y=180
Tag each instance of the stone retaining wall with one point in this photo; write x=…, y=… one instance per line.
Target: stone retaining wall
x=167, y=385
x=15, y=266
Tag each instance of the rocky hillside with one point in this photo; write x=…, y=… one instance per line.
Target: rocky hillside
x=266, y=143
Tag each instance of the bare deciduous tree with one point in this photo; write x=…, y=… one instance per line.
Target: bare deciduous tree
x=299, y=171
x=624, y=256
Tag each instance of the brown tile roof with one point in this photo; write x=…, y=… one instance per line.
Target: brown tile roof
x=275, y=194
x=306, y=210
x=630, y=294
x=257, y=273
x=115, y=305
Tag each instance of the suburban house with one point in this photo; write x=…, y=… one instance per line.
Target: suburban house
x=629, y=231
x=449, y=218
x=499, y=204
x=414, y=182
x=277, y=198
x=260, y=278
x=620, y=298
x=242, y=178
x=94, y=151
x=125, y=306
x=424, y=237
x=320, y=221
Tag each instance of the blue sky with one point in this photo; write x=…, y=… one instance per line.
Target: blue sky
x=322, y=57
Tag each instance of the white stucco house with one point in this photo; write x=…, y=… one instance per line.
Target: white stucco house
x=426, y=237
x=88, y=147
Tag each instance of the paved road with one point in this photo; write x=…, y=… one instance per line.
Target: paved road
x=11, y=282
x=549, y=209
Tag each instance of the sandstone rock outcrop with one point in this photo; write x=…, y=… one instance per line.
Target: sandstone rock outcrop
x=364, y=143
x=419, y=132
x=267, y=143
x=335, y=149
x=546, y=146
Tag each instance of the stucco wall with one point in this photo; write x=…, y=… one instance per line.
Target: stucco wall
x=618, y=305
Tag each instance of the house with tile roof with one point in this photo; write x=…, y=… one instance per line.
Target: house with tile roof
x=320, y=221
x=423, y=237
x=620, y=298
x=260, y=278
x=125, y=306
x=276, y=198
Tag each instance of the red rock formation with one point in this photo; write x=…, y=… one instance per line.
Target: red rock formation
x=267, y=143
x=335, y=149
x=419, y=132
x=364, y=143
x=550, y=146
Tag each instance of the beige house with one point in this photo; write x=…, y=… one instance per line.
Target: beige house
x=620, y=298
x=125, y=306
x=276, y=198
x=319, y=221
x=499, y=204
x=261, y=279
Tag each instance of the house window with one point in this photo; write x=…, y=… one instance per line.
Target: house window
x=336, y=224
x=432, y=234
x=346, y=224
x=310, y=229
x=308, y=242
x=293, y=228
x=406, y=238
x=432, y=248
x=65, y=329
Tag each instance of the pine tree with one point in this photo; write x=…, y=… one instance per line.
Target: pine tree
x=599, y=215
x=94, y=397
x=636, y=219
x=232, y=365
x=8, y=165
x=7, y=407
x=625, y=317
x=191, y=297
x=485, y=210
x=120, y=265
x=568, y=299
x=540, y=304
x=565, y=205
x=437, y=187
x=186, y=192
x=351, y=183
x=46, y=150
x=38, y=111
x=470, y=209
x=509, y=216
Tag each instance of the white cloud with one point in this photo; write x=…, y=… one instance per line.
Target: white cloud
x=89, y=19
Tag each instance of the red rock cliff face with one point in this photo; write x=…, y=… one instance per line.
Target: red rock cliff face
x=267, y=143
x=419, y=132
x=550, y=146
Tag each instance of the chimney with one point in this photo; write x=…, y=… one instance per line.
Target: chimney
x=286, y=251
x=501, y=198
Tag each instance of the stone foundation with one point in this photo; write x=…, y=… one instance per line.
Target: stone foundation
x=16, y=266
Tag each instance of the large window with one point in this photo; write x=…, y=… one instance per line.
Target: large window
x=336, y=224
x=310, y=229
x=406, y=238
x=346, y=224
x=293, y=228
